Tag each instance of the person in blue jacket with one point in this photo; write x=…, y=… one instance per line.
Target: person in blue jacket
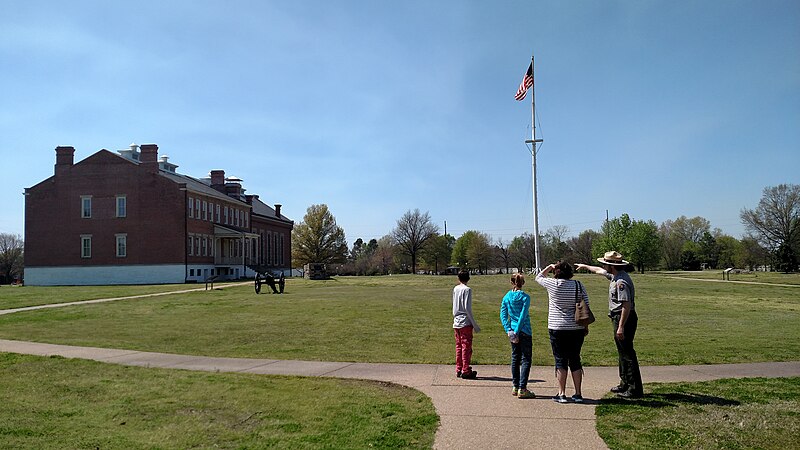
x=517, y=323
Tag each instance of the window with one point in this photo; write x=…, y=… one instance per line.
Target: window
x=191, y=245
x=205, y=251
x=205, y=213
x=217, y=213
x=197, y=208
x=122, y=245
x=86, y=206
x=281, y=252
x=122, y=206
x=191, y=272
x=226, y=215
x=191, y=207
x=269, y=247
x=86, y=246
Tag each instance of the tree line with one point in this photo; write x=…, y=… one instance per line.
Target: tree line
x=415, y=244
x=685, y=243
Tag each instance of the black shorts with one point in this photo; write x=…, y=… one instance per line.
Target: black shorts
x=566, y=345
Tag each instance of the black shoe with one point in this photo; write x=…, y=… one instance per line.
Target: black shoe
x=469, y=375
x=629, y=394
x=458, y=374
x=619, y=389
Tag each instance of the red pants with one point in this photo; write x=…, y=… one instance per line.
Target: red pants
x=463, y=349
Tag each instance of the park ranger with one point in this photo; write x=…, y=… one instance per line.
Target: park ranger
x=622, y=311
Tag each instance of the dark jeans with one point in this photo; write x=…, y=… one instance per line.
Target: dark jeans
x=629, y=374
x=521, y=360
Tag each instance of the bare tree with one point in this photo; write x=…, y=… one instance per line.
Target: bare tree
x=412, y=232
x=581, y=246
x=776, y=219
x=11, y=254
x=383, y=255
x=504, y=253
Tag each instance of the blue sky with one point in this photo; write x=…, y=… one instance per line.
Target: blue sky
x=653, y=108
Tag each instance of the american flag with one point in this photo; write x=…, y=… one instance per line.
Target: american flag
x=527, y=82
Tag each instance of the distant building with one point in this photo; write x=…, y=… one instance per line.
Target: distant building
x=130, y=218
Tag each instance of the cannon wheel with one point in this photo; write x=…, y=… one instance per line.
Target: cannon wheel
x=258, y=283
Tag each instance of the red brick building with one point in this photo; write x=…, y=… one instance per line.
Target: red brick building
x=130, y=218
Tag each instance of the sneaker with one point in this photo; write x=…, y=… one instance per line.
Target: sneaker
x=619, y=388
x=515, y=391
x=560, y=399
x=629, y=394
x=524, y=393
x=458, y=374
x=469, y=375
x=577, y=398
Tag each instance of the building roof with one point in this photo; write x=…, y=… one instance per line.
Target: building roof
x=262, y=209
x=193, y=184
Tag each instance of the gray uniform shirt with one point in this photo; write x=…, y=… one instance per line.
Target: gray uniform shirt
x=620, y=290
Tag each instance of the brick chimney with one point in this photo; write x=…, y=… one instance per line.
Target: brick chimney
x=278, y=209
x=218, y=179
x=65, y=158
x=149, y=157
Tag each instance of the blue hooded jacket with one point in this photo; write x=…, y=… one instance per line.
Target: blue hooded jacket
x=514, y=312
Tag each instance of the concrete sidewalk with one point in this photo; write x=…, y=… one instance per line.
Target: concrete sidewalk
x=477, y=414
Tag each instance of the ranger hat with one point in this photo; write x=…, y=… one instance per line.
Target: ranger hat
x=613, y=258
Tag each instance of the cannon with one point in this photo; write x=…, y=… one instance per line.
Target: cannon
x=268, y=278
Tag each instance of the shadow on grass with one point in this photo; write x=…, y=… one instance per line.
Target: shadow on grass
x=670, y=399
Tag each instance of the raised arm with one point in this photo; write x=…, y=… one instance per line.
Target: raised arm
x=593, y=269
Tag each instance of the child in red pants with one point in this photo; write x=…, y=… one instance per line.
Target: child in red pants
x=463, y=326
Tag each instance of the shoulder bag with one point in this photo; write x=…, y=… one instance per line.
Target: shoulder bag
x=583, y=315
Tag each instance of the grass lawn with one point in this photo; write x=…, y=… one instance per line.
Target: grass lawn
x=21, y=296
x=724, y=414
x=757, y=277
x=409, y=319
x=57, y=403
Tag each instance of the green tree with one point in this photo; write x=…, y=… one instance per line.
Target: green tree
x=413, y=230
x=636, y=240
x=472, y=250
x=731, y=252
x=480, y=252
x=753, y=253
x=675, y=233
x=459, y=255
x=438, y=252
x=643, y=245
x=689, y=259
x=317, y=239
x=709, y=250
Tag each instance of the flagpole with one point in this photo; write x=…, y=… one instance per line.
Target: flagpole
x=533, y=143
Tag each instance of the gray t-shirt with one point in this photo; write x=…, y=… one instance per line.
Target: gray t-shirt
x=620, y=290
